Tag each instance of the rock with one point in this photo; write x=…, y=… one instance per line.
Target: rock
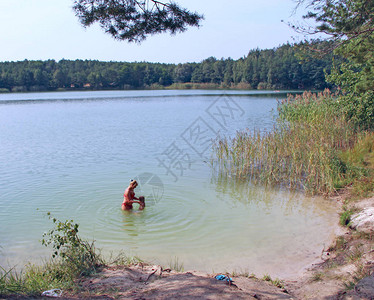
x=364, y=220
x=365, y=287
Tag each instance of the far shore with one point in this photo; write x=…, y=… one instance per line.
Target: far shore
x=213, y=87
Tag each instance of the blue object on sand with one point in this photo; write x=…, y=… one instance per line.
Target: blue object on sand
x=223, y=277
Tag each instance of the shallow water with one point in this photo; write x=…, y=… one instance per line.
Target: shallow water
x=73, y=154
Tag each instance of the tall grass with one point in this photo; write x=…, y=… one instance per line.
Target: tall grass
x=360, y=165
x=302, y=151
x=33, y=280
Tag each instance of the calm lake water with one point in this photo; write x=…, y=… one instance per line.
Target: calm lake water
x=74, y=153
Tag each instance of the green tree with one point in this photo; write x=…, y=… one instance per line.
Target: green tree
x=134, y=20
x=182, y=73
x=349, y=25
x=60, y=78
x=267, y=69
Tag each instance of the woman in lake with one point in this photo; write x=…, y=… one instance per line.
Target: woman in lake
x=129, y=196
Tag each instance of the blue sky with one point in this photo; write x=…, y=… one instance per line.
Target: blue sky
x=48, y=29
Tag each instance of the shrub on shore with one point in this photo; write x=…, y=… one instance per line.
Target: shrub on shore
x=72, y=258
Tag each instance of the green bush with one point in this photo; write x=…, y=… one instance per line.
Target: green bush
x=72, y=257
x=345, y=217
x=78, y=255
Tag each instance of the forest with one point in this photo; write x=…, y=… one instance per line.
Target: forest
x=278, y=68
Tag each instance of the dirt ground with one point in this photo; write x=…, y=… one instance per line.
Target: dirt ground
x=151, y=282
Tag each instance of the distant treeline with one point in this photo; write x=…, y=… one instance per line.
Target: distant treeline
x=277, y=68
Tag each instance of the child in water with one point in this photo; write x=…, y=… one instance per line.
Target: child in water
x=129, y=196
x=142, y=203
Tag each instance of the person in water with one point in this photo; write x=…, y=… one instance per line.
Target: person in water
x=142, y=203
x=129, y=197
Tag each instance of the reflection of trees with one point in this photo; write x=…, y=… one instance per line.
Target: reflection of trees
x=238, y=191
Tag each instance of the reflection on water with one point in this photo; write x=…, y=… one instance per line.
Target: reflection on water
x=75, y=159
x=229, y=225
x=290, y=202
x=133, y=221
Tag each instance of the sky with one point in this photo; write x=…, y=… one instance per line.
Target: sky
x=49, y=29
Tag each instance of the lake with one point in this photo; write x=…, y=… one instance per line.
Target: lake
x=74, y=153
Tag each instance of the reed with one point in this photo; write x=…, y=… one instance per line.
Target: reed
x=302, y=151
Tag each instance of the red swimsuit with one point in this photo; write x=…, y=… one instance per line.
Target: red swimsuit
x=127, y=203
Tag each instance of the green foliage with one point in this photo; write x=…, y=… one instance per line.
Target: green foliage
x=8, y=282
x=135, y=20
x=308, y=107
x=35, y=279
x=124, y=260
x=277, y=68
x=357, y=103
x=342, y=18
x=350, y=24
x=340, y=244
x=355, y=254
x=360, y=165
x=313, y=146
x=78, y=255
x=355, y=78
x=301, y=152
x=345, y=217
x=175, y=264
x=266, y=277
x=72, y=257
x=276, y=282
x=318, y=276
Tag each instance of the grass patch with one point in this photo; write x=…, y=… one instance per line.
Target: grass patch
x=340, y=244
x=360, y=162
x=345, y=217
x=317, y=277
x=176, y=265
x=355, y=254
x=242, y=274
x=276, y=282
x=122, y=259
x=33, y=280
